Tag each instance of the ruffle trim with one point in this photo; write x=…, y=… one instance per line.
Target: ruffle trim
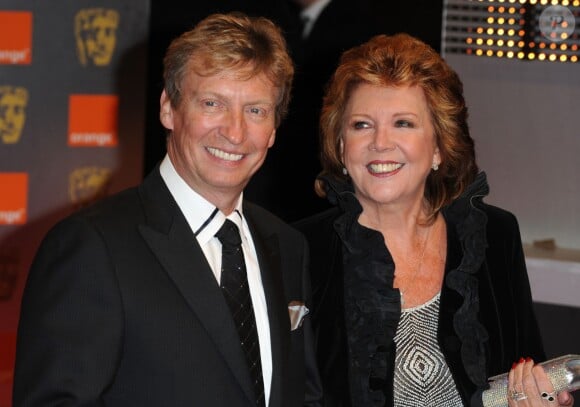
x=470, y=223
x=372, y=306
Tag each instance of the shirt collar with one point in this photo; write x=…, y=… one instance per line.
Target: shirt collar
x=200, y=214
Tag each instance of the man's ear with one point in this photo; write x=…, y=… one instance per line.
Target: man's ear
x=165, y=111
x=272, y=138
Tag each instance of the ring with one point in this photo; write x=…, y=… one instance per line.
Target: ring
x=549, y=396
x=518, y=396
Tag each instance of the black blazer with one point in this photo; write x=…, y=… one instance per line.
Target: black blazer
x=121, y=308
x=486, y=320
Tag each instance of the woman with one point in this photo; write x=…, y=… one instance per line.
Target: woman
x=420, y=289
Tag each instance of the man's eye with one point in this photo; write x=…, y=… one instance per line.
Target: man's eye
x=258, y=111
x=210, y=103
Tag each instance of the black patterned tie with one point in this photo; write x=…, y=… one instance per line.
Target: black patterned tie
x=234, y=285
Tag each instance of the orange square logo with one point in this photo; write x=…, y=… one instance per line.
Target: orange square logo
x=13, y=198
x=15, y=37
x=92, y=120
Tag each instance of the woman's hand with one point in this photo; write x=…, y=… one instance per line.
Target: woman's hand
x=529, y=385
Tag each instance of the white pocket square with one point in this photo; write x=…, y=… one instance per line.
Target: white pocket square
x=297, y=311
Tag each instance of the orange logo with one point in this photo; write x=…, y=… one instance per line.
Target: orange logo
x=15, y=37
x=13, y=198
x=92, y=120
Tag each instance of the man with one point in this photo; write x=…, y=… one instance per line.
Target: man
x=126, y=303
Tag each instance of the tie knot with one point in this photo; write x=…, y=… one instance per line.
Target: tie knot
x=229, y=234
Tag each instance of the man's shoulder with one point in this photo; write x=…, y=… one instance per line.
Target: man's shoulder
x=119, y=204
x=266, y=220
x=114, y=210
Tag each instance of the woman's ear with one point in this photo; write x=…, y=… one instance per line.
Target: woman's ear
x=436, y=158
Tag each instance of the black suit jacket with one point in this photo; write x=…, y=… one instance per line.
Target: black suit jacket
x=121, y=308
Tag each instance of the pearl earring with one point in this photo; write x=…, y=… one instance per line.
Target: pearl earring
x=435, y=166
x=344, y=171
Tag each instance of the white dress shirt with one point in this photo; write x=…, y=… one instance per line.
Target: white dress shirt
x=205, y=220
x=310, y=14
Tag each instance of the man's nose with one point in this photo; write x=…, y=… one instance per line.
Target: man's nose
x=235, y=128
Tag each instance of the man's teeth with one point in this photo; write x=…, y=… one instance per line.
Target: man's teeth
x=381, y=168
x=223, y=155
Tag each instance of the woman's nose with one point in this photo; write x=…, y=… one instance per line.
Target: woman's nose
x=383, y=140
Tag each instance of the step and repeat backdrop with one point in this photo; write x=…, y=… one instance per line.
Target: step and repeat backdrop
x=72, y=107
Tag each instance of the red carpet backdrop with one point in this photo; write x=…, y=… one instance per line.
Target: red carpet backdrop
x=72, y=103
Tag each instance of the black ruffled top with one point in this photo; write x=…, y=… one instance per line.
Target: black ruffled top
x=372, y=306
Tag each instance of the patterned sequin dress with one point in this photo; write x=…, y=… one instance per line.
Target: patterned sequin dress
x=422, y=377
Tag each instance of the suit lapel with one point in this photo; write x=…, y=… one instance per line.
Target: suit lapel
x=268, y=251
x=171, y=240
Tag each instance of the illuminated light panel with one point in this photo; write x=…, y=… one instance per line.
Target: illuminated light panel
x=490, y=29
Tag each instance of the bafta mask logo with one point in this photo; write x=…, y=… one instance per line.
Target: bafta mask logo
x=95, y=34
x=13, y=101
x=88, y=184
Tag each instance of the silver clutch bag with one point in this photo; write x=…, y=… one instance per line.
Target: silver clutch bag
x=563, y=372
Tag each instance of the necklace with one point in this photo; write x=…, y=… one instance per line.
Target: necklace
x=418, y=266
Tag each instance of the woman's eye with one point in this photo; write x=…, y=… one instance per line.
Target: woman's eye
x=360, y=125
x=403, y=123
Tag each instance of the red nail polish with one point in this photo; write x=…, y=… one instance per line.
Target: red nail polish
x=522, y=360
x=514, y=365
x=529, y=359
